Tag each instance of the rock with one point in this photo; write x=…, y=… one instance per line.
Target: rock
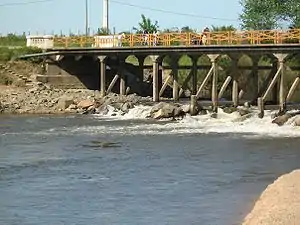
x=126, y=106
x=90, y=110
x=214, y=115
x=162, y=113
x=33, y=90
x=244, y=112
x=157, y=107
x=279, y=203
x=247, y=105
x=230, y=109
x=166, y=110
x=72, y=107
x=281, y=120
x=297, y=121
x=243, y=118
x=85, y=104
x=64, y=102
x=185, y=108
x=203, y=112
x=103, y=109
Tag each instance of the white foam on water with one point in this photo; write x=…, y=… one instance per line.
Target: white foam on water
x=224, y=123
x=252, y=127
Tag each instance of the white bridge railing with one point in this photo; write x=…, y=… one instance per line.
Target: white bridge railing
x=43, y=42
x=108, y=41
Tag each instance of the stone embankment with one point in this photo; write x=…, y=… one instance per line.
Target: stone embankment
x=279, y=204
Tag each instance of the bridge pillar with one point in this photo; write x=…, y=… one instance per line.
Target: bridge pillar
x=141, y=60
x=155, y=61
x=234, y=75
x=174, y=65
x=275, y=67
x=102, y=75
x=195, y=74
x=122, y=77
x=282, y=95
x=255, y=81
x=214, y=91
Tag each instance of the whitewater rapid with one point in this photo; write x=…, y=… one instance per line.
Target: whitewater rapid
x=137, y=122
x=224, y=123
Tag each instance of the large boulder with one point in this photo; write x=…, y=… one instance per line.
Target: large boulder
x=85, y=104
x=166, y=110
x=281, y=120
x=279, y=204
x=64, y=102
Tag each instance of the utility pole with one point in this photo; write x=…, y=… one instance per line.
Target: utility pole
x=105, y=15
x=86, y=18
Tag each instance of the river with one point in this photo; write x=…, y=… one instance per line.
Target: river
x=122, y=171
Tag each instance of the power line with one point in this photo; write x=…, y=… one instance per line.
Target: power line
x=25, y=3
x=171, y=12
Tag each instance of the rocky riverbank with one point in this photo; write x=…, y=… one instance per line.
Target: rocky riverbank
x=279, y=204
x=39, y=98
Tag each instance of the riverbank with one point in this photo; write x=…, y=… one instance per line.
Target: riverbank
x=279, y=204
x=40, y=98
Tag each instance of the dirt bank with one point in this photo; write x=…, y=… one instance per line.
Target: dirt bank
x=279, y=204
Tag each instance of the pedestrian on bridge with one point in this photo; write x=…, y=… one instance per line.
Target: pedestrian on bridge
x=204, y=36
x=146, y=37
x=155, y=37
x=120, y=39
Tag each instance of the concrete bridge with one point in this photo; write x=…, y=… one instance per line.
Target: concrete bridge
x=110, y=69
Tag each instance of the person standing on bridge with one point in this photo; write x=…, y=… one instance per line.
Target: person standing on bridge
x=155, y=36
x=204, y=36
x=145, y=36
x=120, y=38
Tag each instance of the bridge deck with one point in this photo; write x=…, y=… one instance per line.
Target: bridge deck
x=207, y=49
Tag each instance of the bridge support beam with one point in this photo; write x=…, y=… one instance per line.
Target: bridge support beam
x=255, y=80
x=224, y=86
x=235, y=75
x=194, y=74
x=275, y=67
x=214, y=91
x=293, y=89
x=282, y=93
x=141, y=60
x=175, y=77
x=155, y=64
x=102, y=60
x=122, y=77
x=278, y=76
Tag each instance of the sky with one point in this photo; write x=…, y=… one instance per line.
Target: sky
x=55, y=16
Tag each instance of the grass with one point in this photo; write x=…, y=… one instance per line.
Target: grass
x=7, y=54
x=12, y=40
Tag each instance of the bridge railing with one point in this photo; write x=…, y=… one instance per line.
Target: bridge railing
x=188, y=39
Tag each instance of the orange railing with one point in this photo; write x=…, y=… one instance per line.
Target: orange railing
x=186, y=39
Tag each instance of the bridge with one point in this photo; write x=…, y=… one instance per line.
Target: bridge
x=97, y=64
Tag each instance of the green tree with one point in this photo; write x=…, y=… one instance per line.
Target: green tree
x=259, y=14
x=146, y=24
x=223, y=28
x=291, y=12
x=187, y=29
x=171, y=30
x=270, y=14
x=103, y=31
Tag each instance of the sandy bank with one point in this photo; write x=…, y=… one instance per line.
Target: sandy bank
x=279, y=204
